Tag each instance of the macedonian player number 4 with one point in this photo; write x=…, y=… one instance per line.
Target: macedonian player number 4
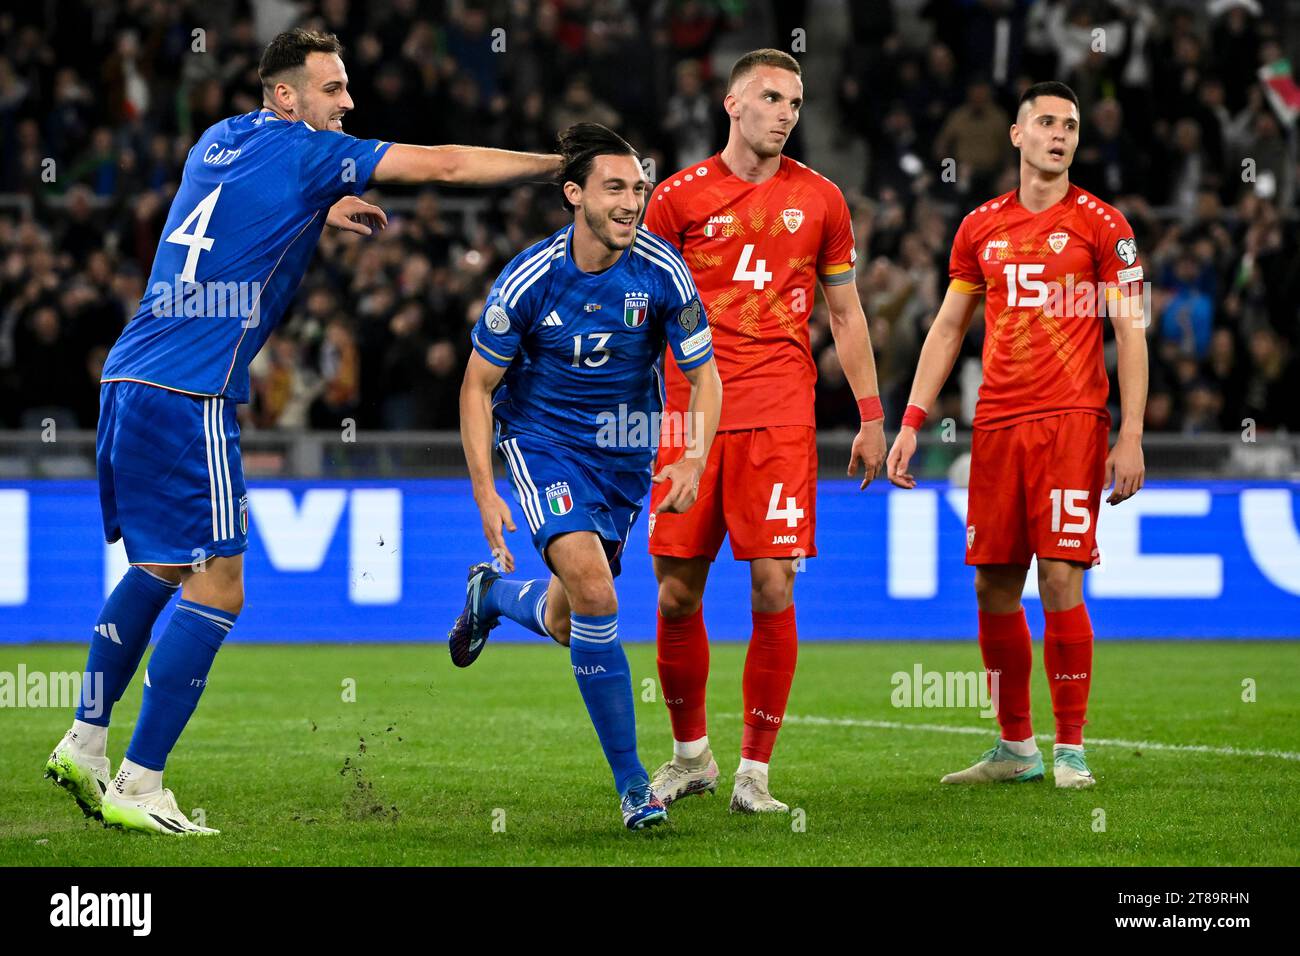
x=757, y=275
x=790, y=514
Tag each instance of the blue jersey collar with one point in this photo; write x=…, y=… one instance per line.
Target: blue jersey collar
x=573, y=266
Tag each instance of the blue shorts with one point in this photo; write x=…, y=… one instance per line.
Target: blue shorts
x=561, y=490
x=171, y=480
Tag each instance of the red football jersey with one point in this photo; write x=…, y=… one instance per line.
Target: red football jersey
x=1044, y=276
x=756, y=252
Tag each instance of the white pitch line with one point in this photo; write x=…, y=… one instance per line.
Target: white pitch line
x=985, y=731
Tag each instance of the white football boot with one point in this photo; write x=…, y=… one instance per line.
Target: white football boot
x=1071, y=771
x=1000, y=765
x=83, y=775
x=683, y=776
x=154, y=812
x=750, y=795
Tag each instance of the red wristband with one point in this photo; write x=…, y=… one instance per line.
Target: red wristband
x=870, y=410
x=914, y=416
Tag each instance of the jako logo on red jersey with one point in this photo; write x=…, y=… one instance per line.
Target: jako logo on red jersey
x=715, y=226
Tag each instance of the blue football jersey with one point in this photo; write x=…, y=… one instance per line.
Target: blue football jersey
x=252, y=202
x=583, y=352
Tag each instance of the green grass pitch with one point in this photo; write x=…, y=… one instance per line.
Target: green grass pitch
x=499, y=765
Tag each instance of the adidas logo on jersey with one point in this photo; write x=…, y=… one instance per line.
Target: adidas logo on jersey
x=552, y=319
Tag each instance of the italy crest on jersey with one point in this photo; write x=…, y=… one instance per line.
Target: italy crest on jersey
x=635, y=307
x=559, y=499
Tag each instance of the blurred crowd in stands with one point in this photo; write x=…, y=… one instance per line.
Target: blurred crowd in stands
x=100, y=102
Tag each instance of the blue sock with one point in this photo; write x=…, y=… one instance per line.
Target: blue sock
x=600, y=667
x=175, y=678
x=122, y=633
x=522, y=601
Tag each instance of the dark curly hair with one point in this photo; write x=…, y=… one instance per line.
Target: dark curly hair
x=580, y=144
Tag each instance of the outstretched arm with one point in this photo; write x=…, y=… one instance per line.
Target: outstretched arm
x=464, y=166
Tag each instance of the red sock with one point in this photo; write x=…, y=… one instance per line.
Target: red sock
x=683, y=658
x=1067, y=652
x=1004, y=643
x=769, y=672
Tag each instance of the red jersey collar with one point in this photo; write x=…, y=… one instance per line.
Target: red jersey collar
x=1014, y=197
x=723, y=168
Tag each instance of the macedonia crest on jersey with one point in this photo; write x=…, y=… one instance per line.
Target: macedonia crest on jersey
x=559, y=499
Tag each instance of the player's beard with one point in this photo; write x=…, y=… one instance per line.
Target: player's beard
x=765, y=150
x=762, y=145
x=602, y=227
x=1046, y=171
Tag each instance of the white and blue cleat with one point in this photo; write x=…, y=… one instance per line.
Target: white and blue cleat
x=1000, y=765
x=469, y=634
x=642, y=809
x=1070, y=769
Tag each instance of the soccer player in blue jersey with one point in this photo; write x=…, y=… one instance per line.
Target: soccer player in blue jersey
x=567, y=359
x=255, y=193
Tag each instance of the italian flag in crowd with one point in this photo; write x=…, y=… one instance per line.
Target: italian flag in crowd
x=1281, y=89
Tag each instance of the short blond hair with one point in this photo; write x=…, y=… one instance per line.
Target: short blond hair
x=765, y=57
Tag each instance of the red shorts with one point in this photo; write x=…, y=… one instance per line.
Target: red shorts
x=1035, y=489
x=759, y=486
